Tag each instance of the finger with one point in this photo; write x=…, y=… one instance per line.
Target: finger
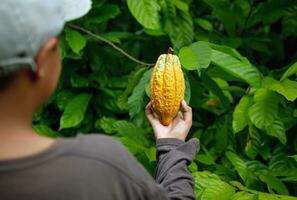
x=187, y=111
x=149, y=113
x=180, y=114
x=177, y=118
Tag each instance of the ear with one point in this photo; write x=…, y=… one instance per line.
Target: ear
x=44, y=53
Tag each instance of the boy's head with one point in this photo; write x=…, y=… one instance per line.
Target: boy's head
x=29, y=55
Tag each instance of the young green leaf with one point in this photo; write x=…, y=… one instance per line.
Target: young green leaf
x=75, y=111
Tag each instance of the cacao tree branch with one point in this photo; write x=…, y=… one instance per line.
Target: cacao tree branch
x=100, y=38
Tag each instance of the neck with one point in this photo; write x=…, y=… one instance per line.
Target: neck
x=17, y=106
x=16, y=112
x=17, y=139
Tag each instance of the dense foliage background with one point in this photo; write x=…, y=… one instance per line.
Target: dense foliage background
x=239, y=59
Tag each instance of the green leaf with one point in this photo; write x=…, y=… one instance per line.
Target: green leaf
x=243, y=195
x=193, y=167
x=257, y=167
x=196, y=56
x=284, y=197
x=132, y=145
x=188, y=89
x=43, y=129
x=290, y=71
x=274, y=184
x=209, y=186
x=154, y=32
x=271, y=11
x=253, y=144
x=221, y=191
x=224, y=86
x=106, y=124
x=129, y=130
x=229, y=14
x=103, y=13
x=265, y=196
x=206, y=158
x=286, y=175
x=265, y=108
x=240, y=116
x=279, y=160
x=178, y=25
x=76, y=41
x=239, y=165
x=237, y=68
x=79, y=81
x=63, y=98
x=223, y=133
x=75, y=111
x=181, y=5
x=134, y=78
x=151, y=154
x=286, y=87
x=210, y=84
x=294, y=157
x=205, y=24
x=228, y=50
x=135, y=101
x=277, y=129
x=146, y=12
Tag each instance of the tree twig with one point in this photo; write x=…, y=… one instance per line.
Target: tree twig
x=98, y=37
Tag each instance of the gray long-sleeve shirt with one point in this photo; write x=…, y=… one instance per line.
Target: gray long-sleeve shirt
x=97, y=167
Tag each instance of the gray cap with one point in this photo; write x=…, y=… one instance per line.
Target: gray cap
x=27, y=24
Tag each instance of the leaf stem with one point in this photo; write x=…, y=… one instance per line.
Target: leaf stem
x=98, y=37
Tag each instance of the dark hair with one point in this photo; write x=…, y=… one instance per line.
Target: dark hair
x=5, y=81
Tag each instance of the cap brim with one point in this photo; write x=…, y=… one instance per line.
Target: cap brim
x=74, y=9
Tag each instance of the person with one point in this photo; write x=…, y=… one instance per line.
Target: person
x=85, y=167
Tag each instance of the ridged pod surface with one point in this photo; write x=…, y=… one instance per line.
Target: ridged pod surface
x=167, y=87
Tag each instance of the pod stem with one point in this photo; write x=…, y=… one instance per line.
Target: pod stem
x=170, y=50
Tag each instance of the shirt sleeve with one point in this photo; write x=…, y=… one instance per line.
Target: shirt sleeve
x=173, y=156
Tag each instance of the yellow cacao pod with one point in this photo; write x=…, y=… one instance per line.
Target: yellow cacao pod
x=167, y=87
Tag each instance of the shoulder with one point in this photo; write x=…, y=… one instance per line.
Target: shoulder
x=94, y=146
x=104, y=150
x=109, y=151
